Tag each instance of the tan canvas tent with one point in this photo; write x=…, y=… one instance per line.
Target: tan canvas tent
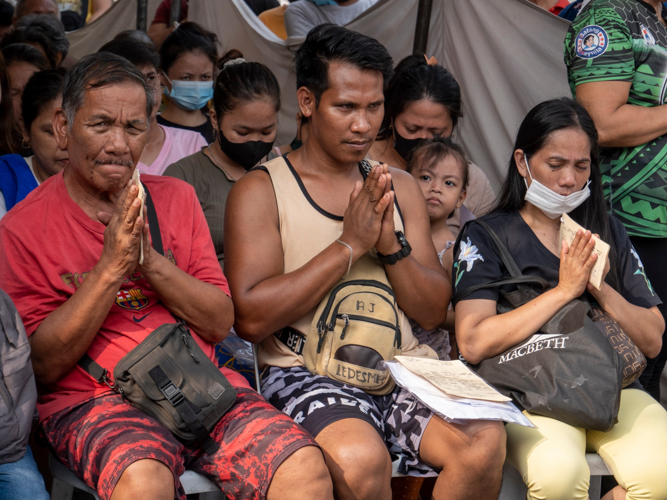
x=507, y=55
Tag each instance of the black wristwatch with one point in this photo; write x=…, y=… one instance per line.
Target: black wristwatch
x=405, y=250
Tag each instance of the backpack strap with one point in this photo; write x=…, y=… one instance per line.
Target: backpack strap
x=516, y=277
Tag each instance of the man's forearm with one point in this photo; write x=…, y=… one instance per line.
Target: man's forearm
x=632, y=125
x=421, y=293
x=619, y=123
x=281, y=300
x=206, y=308
x=66, y=334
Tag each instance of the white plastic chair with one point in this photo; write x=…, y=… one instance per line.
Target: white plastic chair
x=64, y=482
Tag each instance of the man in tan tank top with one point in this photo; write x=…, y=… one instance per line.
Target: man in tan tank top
x=293, y=234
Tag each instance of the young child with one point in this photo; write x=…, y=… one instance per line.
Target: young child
x=441, y=170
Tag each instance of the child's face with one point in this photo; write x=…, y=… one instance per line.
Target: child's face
x=442, y=186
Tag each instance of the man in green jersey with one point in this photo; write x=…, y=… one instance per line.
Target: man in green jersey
x=616, y=55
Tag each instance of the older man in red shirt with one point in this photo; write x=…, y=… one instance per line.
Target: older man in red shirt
x=69, y=259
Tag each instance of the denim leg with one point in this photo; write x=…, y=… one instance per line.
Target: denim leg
x=21, y=480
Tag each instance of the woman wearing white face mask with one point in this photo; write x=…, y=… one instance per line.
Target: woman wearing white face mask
x=559, y=140
x=187, y=59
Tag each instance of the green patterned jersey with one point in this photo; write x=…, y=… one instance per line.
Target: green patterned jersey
x=623, y=40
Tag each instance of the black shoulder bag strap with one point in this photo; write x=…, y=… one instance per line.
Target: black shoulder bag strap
x=186, y=409
x=88, y=364
x=516, y=277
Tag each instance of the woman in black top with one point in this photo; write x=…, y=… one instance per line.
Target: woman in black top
x=553, y=167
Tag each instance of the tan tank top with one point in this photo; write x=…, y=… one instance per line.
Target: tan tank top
x=306, y=229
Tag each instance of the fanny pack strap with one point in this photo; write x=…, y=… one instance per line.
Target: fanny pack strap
x=516, y=277
x=185, y=408
x=293, y=339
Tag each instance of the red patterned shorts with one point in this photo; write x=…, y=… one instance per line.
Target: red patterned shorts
x=99, y=438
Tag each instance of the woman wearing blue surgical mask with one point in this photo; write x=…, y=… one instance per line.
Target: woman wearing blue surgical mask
x=187, y=62
x=555, y=169
x=246, y=102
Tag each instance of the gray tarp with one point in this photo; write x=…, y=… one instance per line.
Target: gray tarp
x=120, y=17
x=506, y=55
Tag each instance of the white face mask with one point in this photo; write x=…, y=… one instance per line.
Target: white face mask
x=551, y=203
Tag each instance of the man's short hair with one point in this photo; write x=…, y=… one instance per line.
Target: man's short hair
x=326, y=43
x=136, y=51
x=96, y=71
x=6, y=13
x=41, y=29
x=20, y=5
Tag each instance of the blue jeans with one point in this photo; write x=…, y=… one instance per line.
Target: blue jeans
x=21, y=480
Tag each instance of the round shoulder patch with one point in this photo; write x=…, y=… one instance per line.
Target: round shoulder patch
x=591, y=42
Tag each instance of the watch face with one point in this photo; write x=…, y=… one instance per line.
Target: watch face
x=401, y=238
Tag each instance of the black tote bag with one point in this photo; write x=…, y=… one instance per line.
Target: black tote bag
x=568, y=370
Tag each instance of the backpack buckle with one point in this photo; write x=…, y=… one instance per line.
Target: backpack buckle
x=172, y=393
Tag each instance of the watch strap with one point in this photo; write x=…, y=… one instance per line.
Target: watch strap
x=395, y=257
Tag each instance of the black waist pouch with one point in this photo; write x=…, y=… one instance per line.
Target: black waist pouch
x=568, y=370
x=169, y=377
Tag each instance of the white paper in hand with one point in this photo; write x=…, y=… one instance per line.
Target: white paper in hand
x=568, y=230
x=142, y=196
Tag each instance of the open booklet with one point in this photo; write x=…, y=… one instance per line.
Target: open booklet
x=453, y=391
x=568, y=230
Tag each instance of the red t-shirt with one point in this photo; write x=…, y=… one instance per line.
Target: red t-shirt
x=554, y=10
x=48, y=245
x=164, y=10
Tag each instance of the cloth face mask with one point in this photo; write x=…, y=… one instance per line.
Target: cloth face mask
x=320, y=3
x=190, y=95
x=551, y=203
x=404, y=146
x=246, y=154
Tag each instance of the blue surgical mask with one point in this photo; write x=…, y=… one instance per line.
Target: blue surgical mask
x=321, y=3
x=190, y=95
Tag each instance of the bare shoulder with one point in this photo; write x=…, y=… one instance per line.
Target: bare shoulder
x=257, y=183
x=252, y=202
x=406, y=188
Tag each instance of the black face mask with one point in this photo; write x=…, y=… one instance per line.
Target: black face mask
x=404, y=146
x=246, y=154
x=295, y=144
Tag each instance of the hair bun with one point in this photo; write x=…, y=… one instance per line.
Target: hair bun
x=230, y=58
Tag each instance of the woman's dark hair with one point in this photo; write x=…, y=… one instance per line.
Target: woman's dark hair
x=242, y=81
x=10, y=134
x=139, y=53
x=45, y=31
x=535, y=130
x=188, y=37
x=22, y=52
x=138, y=35
x=432, y=151
x=415, y=80
x=41, y=90
x=327, y=43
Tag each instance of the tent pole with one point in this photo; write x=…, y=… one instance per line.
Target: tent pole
x=175, y=14
x=423, y=22
x=142, y=15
